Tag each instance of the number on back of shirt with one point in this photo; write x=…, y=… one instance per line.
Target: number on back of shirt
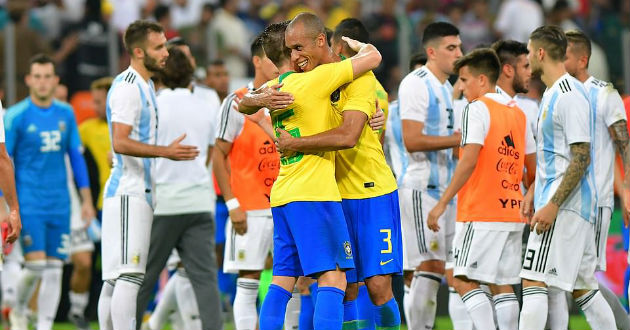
x=51, y=141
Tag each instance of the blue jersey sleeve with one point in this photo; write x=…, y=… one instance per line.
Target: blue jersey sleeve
x=75, y=152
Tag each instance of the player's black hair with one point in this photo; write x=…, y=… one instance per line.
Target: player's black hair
x=481, y=61
x=351, y=28
x=137, y=32
x=256, y=47
x=509, y=50
x=329, y=36
x=273, y=43
x=176, y=41
x=178, y=71
x=552, y=39
x=41, y=59
x=417, y=58
x=579, y=42
x=161, y=11
x=438, y=30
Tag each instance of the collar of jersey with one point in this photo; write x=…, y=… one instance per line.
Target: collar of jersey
x=284, y=75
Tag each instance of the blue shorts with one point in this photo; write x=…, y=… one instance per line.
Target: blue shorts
x=46, y=232
x=310, y=238
x=375, y=235
x=221, y=215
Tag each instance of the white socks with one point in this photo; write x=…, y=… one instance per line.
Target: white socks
x=10, y=275
x=29, y=276
x=292, y=316
x=78, y=302
x=186, y=301
x=165, y=306
x=558, y=316
x=245, y=314
x=423, y=291
x=479, y=308
x=458, y=312
x=506, y=307
x=597, y=311
x=124, y=301
x=104, y=306
x=407, y=304
x=49, y=294
x=534, y=310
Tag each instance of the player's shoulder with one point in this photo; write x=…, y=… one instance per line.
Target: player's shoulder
x=17, y=110
x=64, y=107
x=415, y=80
x=593, y=82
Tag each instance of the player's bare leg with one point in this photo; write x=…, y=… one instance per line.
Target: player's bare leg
x=80, y=288
x=386, y=312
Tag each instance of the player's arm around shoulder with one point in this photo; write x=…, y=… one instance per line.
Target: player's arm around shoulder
x=267, y=96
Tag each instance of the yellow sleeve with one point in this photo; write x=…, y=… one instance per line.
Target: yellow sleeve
x=326, y=78
x=361, y=95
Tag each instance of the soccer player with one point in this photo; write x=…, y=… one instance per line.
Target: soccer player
x=369, y=194
x=128, y=201
x=7, y=188
x=246, y=164
x=305, y=198
x=563, y=195
x=40, y=131
x=497, y=144
x=610, y=132
x=426, y=109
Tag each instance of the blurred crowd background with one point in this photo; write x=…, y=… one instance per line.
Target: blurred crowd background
x=84, y=36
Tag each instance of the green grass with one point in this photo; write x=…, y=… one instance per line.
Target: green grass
x=576, y=322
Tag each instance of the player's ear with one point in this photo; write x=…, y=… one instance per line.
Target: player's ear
x=507, y=70
x=138, y=53
x=256, y=61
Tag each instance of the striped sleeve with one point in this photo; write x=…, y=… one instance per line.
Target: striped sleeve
x=475, y=123
x=231, y=121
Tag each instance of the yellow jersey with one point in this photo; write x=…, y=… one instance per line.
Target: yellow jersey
x=308, y=177
x=361, y=172
x=95, y=138
x=383, y=103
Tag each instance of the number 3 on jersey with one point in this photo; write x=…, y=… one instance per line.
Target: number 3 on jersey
x=50, y=141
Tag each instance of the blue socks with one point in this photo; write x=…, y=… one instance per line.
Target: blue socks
x=306, y=312
x=350, y=315
x=387, y=316
x=328, y=309
x=366, y=309
x=313, y=288
x=273, y=308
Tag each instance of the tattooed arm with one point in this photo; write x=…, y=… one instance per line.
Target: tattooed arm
x=580, y=159
x=619, y=133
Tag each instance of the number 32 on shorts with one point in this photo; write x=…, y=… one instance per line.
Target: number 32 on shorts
x=387, y=240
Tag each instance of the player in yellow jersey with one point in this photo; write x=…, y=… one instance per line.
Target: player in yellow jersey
x=310, y=236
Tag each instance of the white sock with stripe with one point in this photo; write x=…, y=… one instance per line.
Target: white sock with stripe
x=534, y=310
x=597, y=311
x=105, y=305
x=479, y=308
x=49, y=294
x=458, y=312
x=165, y=306
x=506, y=308
x=407, y=304
x=424, y=299
x=124, y=301
x=245, y=314
x=29, y=277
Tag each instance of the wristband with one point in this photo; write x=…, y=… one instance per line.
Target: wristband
x=232, y=204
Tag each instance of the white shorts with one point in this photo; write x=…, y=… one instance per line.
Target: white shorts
x=563, y=257
x=488, y=252
x=602, y=224
x=419, y=242
x=126, y=234
x=249, y=251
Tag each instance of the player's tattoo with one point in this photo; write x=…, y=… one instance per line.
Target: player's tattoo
x=580, y=159
x=619, y=134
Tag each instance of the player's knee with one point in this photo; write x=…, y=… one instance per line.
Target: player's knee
x=379, y=289
x=352, y=291
x=463, y=285
x=333, y=278
x=254, y=275
x=303, y=285
x=433, y=266
x=82, y=262
x=134, y=278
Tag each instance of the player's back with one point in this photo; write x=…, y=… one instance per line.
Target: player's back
x=565, y=118
x=394, y=143
x=361, y=171
x=38, y=140
x=308, y=177
x=423, y=98
x=608, y=109
x=131, y=101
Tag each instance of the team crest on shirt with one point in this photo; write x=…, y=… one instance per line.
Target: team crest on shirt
x=135, y=259
x=27, y=240
x=348, y=249
x=544, y=114
x=62, y=126
x=241, y=255
x=31, y=128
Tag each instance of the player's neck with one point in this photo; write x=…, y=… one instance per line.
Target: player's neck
x=329, y=57
x=41, y=103
x=141, y=69
x=259, y=80
x=552, y=72
x=582, y=75
x=441, y=76
x=506, y=86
